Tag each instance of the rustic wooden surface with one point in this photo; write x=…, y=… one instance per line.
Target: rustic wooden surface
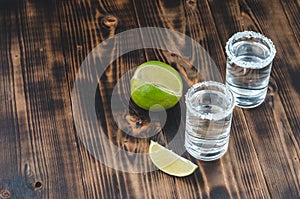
x=42, y=45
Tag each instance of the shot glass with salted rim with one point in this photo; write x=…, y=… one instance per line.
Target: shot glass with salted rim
x=249, y=62
x=209, y=107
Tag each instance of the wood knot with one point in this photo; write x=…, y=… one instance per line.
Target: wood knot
x=139, y=124
x=38, y=185
x=30, y=178
x=191, y=3
x=109, y=22
x=4, y=194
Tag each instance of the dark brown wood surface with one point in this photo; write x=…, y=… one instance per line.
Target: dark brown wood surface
x=42, y=46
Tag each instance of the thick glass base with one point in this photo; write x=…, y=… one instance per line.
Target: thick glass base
x=248, y=98
x=208, y=151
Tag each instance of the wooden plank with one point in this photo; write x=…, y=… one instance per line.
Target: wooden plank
x=272, y=18
x=9, y=136
x=46, y=146
x=12, y=180
x=207, y=35
x=251, y=182
x=99, y=181
x=265, y=18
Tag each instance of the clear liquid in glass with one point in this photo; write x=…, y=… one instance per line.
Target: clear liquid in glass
x=248, y=67
x=208, y=125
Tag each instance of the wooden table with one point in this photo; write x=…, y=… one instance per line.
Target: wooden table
x=43, y=45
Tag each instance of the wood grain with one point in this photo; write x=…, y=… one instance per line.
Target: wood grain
x=42, y=46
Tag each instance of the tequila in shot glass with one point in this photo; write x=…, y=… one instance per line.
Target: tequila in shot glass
x=209, y=107
x=248, y=68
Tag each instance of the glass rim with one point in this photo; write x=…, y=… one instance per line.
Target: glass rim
x=211, y=116
x=250, y=34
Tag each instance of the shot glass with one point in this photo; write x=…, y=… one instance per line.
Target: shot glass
x=249, y=62
x=209, y=107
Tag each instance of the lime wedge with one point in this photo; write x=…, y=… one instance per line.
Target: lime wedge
x=155, y=85
x=169, y=162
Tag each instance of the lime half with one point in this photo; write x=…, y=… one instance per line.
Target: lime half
x=155, y=85
x=169, y=162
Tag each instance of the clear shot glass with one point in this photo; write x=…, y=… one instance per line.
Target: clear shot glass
x=209, y=107
x=249, y=62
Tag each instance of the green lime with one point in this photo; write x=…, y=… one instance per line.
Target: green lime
x=169, y=162
x=155, y=85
